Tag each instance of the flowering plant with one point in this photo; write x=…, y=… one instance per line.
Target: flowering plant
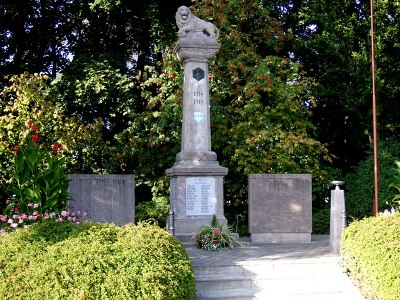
x=216, y=237
x=17, y=218
x=39, y=176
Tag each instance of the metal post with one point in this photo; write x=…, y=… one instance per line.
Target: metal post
x=374, y=121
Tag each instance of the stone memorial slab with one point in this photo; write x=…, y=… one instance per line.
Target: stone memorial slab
x=104, y=198
x=280, y=208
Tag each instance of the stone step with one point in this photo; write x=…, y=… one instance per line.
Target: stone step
x=271, y=280
x=224, y=283
x=227, y=295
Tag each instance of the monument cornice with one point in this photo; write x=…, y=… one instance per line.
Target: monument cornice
x=203, y=49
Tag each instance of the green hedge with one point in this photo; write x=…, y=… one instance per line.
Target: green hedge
x=94, y=261
x=371, y=254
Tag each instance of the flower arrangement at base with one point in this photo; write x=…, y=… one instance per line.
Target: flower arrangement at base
x=216, y=237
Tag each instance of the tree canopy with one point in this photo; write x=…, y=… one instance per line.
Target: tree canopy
x=290, y=87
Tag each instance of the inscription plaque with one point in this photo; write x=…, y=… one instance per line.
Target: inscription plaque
x=200, y=196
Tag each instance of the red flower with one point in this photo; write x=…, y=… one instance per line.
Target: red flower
x=35, y=138
x=34, y=127
x=16, y=148
x=30, y=123
x=55, y=148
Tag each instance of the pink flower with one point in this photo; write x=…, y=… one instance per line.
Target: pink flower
x=14, y=225
x=2, y=231
x=8, y=201
x=3, y=218
x=64, y=213
x=35, y=205
x=30, y=204
x=216, y=231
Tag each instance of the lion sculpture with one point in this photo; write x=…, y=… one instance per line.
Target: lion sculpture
x=188, y=23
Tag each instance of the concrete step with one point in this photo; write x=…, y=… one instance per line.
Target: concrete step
x=273, y=280
x=228, y=295
x=224, y=283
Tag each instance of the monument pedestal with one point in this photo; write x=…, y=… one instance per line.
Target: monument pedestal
x=196, y=195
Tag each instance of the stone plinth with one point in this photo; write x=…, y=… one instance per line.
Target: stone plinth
x=280, y=208
x=104, y=198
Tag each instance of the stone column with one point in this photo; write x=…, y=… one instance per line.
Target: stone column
x=338, y=217
x=196, y=179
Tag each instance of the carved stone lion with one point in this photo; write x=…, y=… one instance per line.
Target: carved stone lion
x=188, y=23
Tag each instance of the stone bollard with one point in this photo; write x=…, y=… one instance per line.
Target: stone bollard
x=338, y=221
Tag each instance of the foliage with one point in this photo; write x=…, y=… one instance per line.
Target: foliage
x=395, y=203
x=321, y=221
x=370, y=251
x=38, y=176
x=360, y=183
x=107, y=262
x=26, y=98
x=17, y=218
x=215, y=237
x=155, y=210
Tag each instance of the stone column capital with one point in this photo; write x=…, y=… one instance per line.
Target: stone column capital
x=198, y=50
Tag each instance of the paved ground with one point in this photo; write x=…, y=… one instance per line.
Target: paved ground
x=287, y=271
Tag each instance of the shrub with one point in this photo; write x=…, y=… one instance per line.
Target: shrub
x=371, y=254
x=321, y=220
x=359, y=185
x=155, y=210
x=94, y=261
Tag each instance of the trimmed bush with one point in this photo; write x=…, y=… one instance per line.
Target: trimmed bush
x=94, y=261
x=371, y=254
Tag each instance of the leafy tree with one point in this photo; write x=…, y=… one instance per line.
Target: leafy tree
x=37, y=36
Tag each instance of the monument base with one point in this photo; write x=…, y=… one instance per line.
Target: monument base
x=289, y=237
x=196, y=196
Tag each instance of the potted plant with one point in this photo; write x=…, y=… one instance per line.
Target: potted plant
x=215, y=237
